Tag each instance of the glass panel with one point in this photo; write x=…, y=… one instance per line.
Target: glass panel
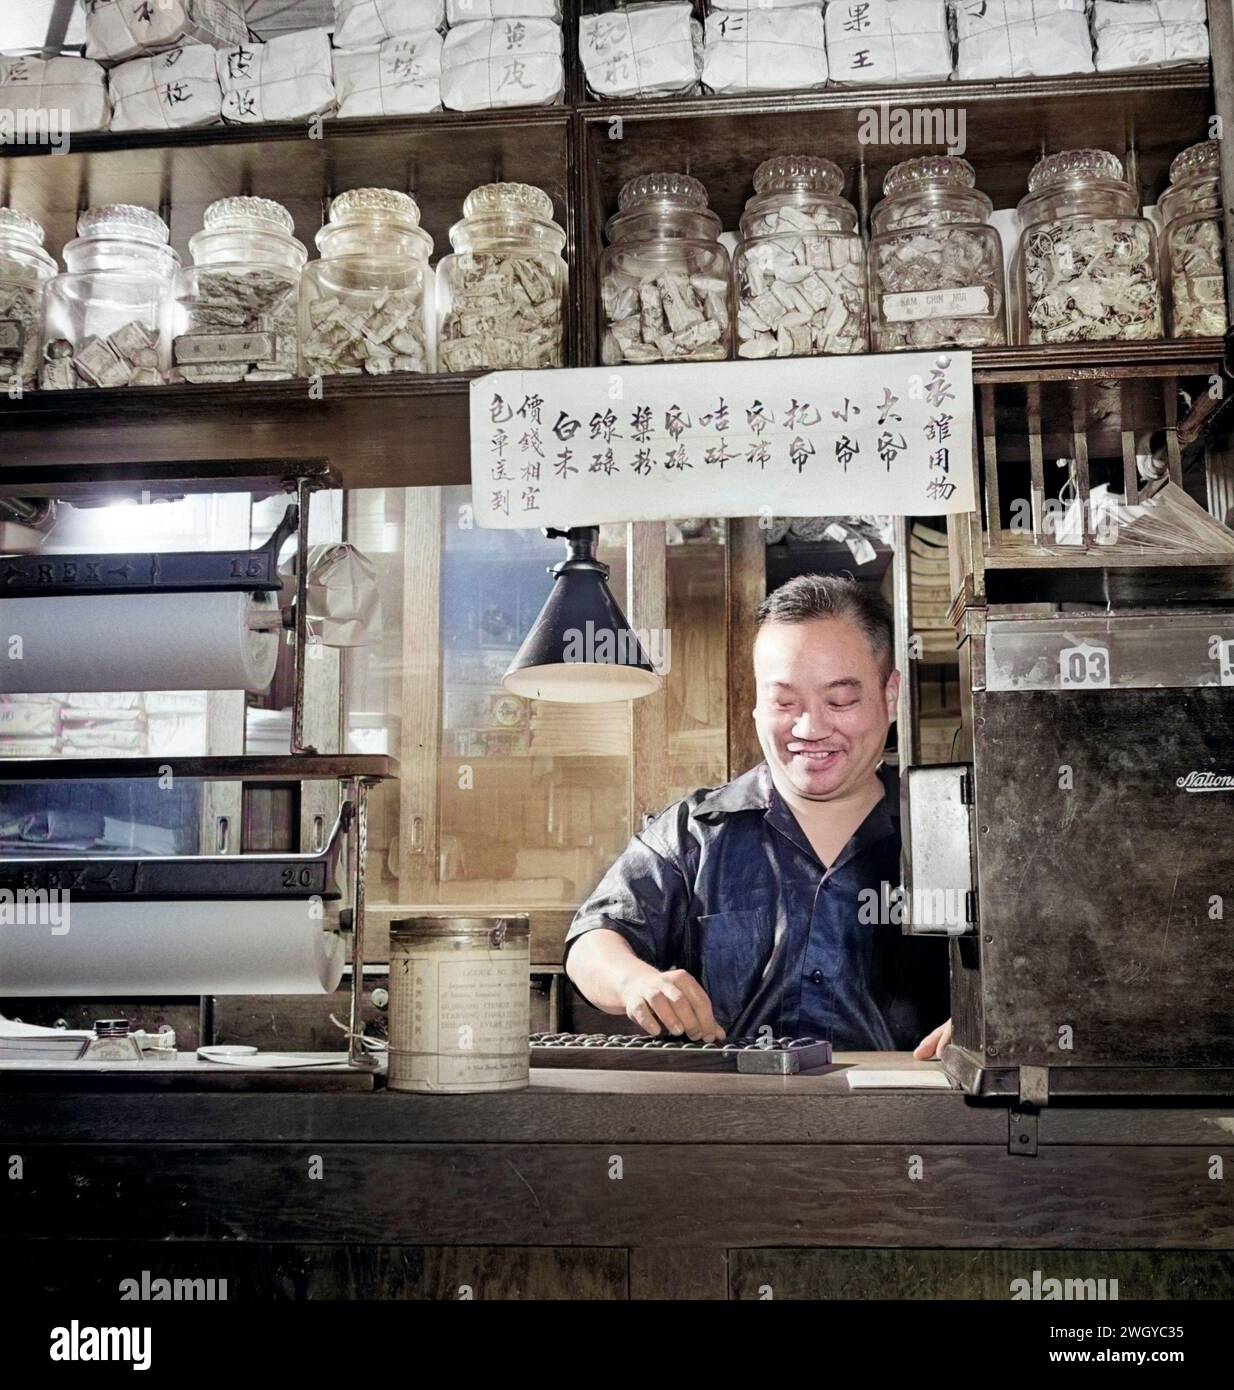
x=532, y=796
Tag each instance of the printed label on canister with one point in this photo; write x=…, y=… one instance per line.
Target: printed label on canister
x=910, y=306
x=459, y=1017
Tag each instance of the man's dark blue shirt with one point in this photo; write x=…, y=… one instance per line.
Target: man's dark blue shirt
x=725, y=884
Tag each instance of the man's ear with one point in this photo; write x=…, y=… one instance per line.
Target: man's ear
x=892, y=692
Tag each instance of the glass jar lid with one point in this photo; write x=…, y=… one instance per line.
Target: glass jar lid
x=21, y=227
x=503, y=199
x=248, y=215
x=361, y=211
x=663, y=205
x=1075, y=167
x=927, y=172
x=124, y=222
x=361, y=204
x=787, y=173
x=930, y=190
x=678, y=189
x=1195, y=181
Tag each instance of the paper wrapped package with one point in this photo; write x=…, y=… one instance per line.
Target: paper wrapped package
x=645, y=50
x=734, y=5
x=1149, y=33
x=167, y=91
x=765, y=50
x=502, y=62
x=466, y=11
x=363, y=23
x=400, y=77
x=1020, y=38
x=344, y=607
x=874, y=41
x=117, y=30
x=32, y=90
x=288, y=79
x=266, y=18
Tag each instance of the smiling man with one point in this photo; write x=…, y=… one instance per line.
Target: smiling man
x=747, y=906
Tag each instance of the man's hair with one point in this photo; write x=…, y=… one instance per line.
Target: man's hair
x=810, y=596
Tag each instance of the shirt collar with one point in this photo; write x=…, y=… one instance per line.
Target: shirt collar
x=755, y=791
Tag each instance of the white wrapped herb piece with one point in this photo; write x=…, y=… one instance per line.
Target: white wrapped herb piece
x=400, y=77
x=167, y=91
x=875, y=41
x=643, y=50
x=34, y=90
x=363, y=23
x=1020, y=38
x=128, y=356
x=765, y=50
x=288, y=79
x=669, y=317
x=117, y=30
x=1149, y=33
x=504, y=62
x=241, y=326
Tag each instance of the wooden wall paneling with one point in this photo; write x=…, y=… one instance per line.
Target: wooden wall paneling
x=420, y=750
x=646, y=608
x=745, y=585
x=970, y=1196
x=683, y=1272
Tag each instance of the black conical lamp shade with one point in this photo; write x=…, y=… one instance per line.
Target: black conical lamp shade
x=581, y=650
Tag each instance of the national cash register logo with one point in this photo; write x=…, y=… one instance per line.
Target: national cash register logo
x=1206, y=782
x=35, y=907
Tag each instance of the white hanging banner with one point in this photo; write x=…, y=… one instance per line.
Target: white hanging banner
x=890, y=433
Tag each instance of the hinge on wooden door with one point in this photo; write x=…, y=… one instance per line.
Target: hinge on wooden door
x=1022, y=1132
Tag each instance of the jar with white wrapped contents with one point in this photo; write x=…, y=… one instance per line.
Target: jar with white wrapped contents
x=238, y=302
x=25, y=269
x=107, y=320
x=799, y=277
x=664, y=278
x=1086, y=264
x=366, y=305
x=1193, y=250
x=501, y=295
x=935, y=262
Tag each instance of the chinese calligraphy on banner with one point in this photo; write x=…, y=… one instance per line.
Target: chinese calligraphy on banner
x=888, y=434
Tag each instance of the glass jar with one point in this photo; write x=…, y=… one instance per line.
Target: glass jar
x=107, y=320
x=936, y=264
x=501, y=295
x=1086, y=263
x=366, y=305
x=1193, y=248
x=24, y=270
x=799, y=275
x=236, y=319
x=664, y=278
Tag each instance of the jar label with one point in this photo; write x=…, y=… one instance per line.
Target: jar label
x=459, y=1020
x=913, y=305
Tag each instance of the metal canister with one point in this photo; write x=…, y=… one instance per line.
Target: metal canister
x=460, y=1011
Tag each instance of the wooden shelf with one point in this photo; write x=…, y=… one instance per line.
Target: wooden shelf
x=301, y=767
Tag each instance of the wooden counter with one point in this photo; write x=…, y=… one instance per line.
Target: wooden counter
x=607, y=1184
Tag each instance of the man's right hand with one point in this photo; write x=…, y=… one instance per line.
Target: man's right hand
x=668, y=999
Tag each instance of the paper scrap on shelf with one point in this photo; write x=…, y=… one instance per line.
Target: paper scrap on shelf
x=168, y=91
x=1020, y=38
x=400, y=77
x=288, y=79
x=888, y=41
x=887, y=434
x=1149, y=33
x=897, y=1078
x=504, y=62
x=45, y=99
x=12, y=1028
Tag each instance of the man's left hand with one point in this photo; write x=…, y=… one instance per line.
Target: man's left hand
x=931, y=1047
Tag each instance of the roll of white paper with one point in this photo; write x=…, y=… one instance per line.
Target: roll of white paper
x=134, y=642
x=168, y=948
